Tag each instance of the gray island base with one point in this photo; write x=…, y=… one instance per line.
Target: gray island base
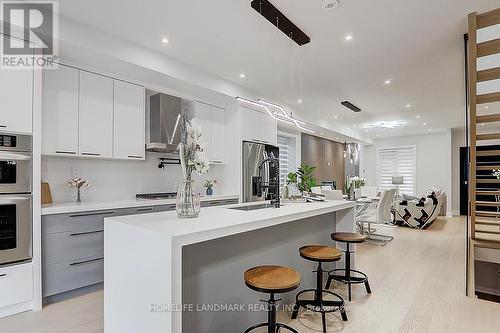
x=163, y=274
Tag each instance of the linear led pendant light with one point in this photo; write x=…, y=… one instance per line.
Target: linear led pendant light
x=248, y=101
x=271, y=14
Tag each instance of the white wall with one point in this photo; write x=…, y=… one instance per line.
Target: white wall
x=433, y=161
x=117, y=180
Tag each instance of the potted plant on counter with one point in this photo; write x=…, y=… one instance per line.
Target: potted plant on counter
x=192, y=160
x=209, y=185
x=303, y=178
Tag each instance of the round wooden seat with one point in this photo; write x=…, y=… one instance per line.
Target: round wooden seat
x=272, y=279
x=348, y=237
x=320, y=253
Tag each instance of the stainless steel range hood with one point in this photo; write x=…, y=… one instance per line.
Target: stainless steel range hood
x=165, y=116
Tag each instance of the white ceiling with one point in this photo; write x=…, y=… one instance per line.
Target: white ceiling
x=417, y=44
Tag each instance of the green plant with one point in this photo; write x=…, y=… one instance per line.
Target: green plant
x=303, y=177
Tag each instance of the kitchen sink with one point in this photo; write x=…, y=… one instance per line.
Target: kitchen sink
x=253, y=207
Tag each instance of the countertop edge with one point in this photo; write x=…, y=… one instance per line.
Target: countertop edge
x=64, y=208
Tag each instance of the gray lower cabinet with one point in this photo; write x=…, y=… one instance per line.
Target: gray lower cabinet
x=73, y=246
x=73, y=250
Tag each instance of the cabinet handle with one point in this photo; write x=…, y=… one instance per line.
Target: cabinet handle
x=213, y=203
x=85, y=233
x=65, y=152
x=85, y=262
x=3, y=126
x=91, y=154
x=144, y=210
x=3, y=275
x=134, y=156
x=91, y=214
x=217, y=162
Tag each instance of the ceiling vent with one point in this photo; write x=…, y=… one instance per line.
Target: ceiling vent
x=351, y=106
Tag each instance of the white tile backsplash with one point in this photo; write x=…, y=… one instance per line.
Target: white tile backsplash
x=116, y=180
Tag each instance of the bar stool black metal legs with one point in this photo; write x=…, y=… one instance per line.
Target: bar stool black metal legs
x=272, y=280
x=319, y=304
x=348, y=275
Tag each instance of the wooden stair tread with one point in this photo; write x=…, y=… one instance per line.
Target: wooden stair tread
x=488, y=19
x=494, y=231
x=487, y=118
x=487, y=203
x=488, y=98
x=485, y=192
x=488, y=153
x=488, y=74
x=489, y=136
x=483, y=221
x=488, y=167
x=489, y=238
x=488, y=181
x=484, y=213
x=488, y=48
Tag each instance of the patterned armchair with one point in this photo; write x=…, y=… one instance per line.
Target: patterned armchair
x=419, y=213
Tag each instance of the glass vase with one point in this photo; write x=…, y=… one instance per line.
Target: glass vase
x=188, y=201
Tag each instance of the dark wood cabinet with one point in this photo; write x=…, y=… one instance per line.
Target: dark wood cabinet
x=327, y=156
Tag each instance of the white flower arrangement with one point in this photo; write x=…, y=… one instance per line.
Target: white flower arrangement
x=496, y=173
x=358, y=182
x=191, y=152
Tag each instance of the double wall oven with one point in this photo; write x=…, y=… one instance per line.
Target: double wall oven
x=16, y=217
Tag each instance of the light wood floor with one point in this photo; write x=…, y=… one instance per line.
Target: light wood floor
x=418, y=283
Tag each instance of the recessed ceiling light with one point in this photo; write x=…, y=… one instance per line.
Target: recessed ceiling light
x=418, y=116
x=337, y=138
x=482, y=124
x=321, y=133
x=424, y=124
x=335, y=117
x=242, y=76
x=388, y=82
x=164, y=40
x=300, y=101
x=486, y=107
x=430, y=130
x=408, y=105
x=354, y=125
x=348, y=38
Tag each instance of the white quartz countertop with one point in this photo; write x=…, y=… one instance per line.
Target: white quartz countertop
x=73, y=207
x=214, y=222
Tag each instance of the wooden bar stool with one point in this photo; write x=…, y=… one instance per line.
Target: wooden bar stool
x=347, y=272
x=320, y=254
x=272, y=280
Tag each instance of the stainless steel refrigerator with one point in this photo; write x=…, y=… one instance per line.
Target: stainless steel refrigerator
x=253, y=155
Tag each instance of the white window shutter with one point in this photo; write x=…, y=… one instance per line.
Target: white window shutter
x=397, y=162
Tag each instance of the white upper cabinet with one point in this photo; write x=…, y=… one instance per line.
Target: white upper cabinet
x=257, y=126
x=202, y=118
x=129, y=119
x=218, y=138
x=16, y=96
x=95, y=115
x=212, y=121
x=60, y=111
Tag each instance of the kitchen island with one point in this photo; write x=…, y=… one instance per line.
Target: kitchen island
x=164, y=274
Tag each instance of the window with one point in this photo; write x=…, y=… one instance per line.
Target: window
x=284, y=146
x=397, y=162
